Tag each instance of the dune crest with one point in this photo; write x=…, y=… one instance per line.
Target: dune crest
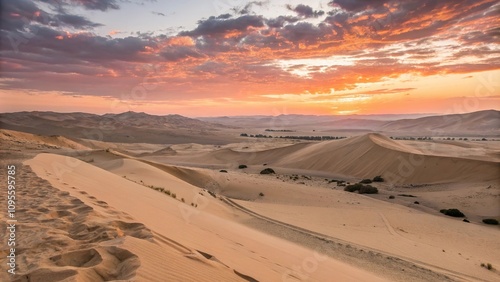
x=364, y=156
x=39, y=141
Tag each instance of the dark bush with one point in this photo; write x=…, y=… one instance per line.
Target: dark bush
x=416, y=203
x=368, y=189
x=362, y=189
x=466, y=220
x=267, y=171
x=261, y=194
x=366, y=181
x=242, y=166
x=353, y=188
x=406, y=195
x=452, y=212
x=378, y=178
x=491, y=221
x=487, y=266
x=223, y=170
x=391, y=197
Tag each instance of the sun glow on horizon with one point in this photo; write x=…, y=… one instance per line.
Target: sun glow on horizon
x=252, y=57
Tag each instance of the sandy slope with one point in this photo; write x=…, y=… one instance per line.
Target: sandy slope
x=32, y=141
x=365, y=157
x=447, y=245
x=182, y=233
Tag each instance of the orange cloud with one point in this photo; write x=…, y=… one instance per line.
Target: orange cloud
x=251, y=58
x=113, y=32
x=180, y=41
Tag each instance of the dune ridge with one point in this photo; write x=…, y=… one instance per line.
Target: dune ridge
x=33, y=141
x=364, y=157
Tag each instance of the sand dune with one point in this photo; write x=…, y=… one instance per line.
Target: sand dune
x=31, y=141
x=365, y=157
x=112, y=214
x=168, y=151
x=223, y=259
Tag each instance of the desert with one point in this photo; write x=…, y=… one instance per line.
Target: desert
x=93, y=210
x=249, y=140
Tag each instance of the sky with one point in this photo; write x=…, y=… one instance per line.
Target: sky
x=231, y=57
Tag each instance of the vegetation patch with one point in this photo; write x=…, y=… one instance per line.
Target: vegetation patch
x=452, y=212
x=361, y=189
x=378, y=178
x=491, y=221
x=487, y=266
x=268, y=171
x=406, y=195
x=242, y=166
x=164, y=191
x=366, y=181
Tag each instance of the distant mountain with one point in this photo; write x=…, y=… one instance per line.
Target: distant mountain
x=297, y=120
x=354, y=124
x=484, y=123
x=125, y=127
x=133, y=127
x=476, y=123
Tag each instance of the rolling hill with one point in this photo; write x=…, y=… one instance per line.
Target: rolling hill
x=128, y=127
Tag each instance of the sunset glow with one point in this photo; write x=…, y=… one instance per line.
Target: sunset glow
x=244, y=58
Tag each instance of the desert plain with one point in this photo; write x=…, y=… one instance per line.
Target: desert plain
x=137, y=197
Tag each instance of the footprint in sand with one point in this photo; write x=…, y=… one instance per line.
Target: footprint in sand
x=123, y=263
x=77, y=201
x=102, y=203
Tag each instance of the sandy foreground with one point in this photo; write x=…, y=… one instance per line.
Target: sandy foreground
x=89, y=214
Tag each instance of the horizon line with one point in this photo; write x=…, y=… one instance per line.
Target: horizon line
x=256, y=115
